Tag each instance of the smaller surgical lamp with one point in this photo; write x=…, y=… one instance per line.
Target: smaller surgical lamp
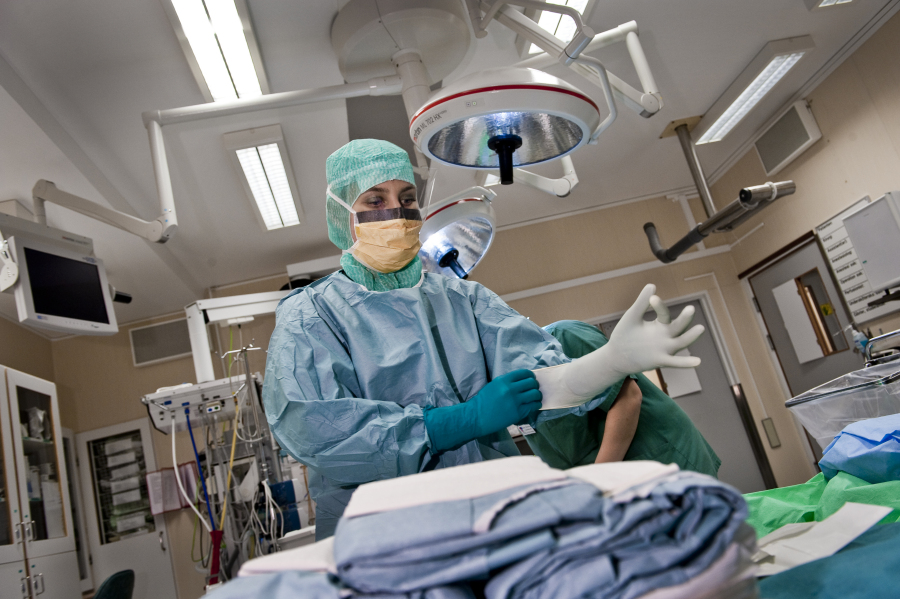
x=506, y=118
x=457, y=232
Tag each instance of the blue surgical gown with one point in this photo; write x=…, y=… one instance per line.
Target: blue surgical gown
x=349, y=372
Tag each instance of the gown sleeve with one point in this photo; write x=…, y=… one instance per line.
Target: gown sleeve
x=313, y=406
x=511, y=341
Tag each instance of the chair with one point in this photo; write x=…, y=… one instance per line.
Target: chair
x=118, y=586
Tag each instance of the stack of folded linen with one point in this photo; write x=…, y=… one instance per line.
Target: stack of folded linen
x=524, y=530
x=610, y=530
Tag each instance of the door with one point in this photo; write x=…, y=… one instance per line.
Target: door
x=121, y=531
x=805, y=319
x=42, y=475
x=81, y=545
x=12, y=556
x=709, y=402
x=54, y=576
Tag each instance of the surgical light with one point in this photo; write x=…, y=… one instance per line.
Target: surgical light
x=458, y=232
x=261, y=158
x=766, y=70
x=504, y=118
x=215, y=32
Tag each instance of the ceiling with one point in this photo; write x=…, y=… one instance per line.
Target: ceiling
x=76, y=76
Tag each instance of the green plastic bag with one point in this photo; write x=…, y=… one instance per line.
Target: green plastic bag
x=817, y=499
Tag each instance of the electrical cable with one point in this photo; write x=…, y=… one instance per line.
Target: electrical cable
x=199, y=467
x=230, y=466
x=181, y=485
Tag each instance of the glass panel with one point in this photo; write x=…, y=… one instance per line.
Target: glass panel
x=120, y=487
x=41, y=468
x=5, y=519
x=80, y=548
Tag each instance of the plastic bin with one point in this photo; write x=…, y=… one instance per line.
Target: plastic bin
x=867, y=393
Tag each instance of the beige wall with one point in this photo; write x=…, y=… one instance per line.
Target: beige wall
x=23, y=350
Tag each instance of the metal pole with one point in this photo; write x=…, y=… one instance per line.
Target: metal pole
x=690, y=154
x=374, y=87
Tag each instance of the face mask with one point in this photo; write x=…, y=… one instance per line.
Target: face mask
x=386, y=240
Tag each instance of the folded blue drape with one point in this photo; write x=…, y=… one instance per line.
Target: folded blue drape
x=562, y=541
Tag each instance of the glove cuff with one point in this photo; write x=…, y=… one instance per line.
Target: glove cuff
x=450, y=427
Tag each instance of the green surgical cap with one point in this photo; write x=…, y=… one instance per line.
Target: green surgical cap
x=354, y=168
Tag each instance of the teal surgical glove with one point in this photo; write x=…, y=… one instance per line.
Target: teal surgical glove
x=507, y=399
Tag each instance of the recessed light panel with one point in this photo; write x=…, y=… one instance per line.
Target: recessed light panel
x=216, y=37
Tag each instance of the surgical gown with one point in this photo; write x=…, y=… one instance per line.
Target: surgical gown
x=349, y=372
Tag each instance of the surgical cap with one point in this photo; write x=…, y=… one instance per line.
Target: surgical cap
x=354, y=168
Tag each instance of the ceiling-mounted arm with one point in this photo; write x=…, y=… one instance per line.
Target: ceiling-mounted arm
x=750, y=201
x=583, y=33
x=158, y=230
x=646, y=103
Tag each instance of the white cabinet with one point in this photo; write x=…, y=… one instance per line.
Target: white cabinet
x=37, y=540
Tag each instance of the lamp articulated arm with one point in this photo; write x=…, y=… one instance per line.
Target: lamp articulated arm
x=560, y=187
x=159, y=230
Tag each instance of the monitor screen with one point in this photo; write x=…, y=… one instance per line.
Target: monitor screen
x=65, y=287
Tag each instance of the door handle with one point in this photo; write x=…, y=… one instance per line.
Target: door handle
x=37, y=584
x=162, y=544
x=25, y=586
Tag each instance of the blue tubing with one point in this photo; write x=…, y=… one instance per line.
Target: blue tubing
x=200, y=470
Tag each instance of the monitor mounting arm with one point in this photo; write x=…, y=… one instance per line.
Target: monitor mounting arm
x=159, y=230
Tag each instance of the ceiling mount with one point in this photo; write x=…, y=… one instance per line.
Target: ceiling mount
x=366, y=35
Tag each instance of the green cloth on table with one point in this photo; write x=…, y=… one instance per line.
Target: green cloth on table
x=867, y=568
x=817, y=499
x=664, y=433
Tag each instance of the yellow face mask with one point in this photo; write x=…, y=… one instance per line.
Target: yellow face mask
x=387, y=245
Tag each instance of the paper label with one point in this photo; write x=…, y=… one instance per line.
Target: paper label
x=130, y=470
x=130, y=522
x=117, y=446
x=117, y=486
x=122, y=458
x=127, y=497
x=526, y=429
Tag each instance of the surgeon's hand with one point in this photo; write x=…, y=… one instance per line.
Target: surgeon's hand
x=641, y=345
x=506, y=400
x=636, y=346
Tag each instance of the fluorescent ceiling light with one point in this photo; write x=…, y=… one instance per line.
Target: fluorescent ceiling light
x=261, y=158
x=557, y=24
x=215, y=34
x=811, y=4
x=751, y=86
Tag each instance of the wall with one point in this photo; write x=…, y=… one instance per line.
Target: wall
x=24, y=350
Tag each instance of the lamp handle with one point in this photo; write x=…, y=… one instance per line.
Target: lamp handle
x=596, y=66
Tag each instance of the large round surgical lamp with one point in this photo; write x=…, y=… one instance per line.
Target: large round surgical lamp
x=458, y=232
x=505, y=118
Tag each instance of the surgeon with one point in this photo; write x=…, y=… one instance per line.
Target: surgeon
x=636, y=421
x=382, y=370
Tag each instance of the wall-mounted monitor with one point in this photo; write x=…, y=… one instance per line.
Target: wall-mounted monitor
x=874, y=231
x=61, y=289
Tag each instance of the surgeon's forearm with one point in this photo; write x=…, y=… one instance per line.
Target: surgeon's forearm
x=621, y=424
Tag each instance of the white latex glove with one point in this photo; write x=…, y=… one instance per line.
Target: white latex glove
x=635, y=346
